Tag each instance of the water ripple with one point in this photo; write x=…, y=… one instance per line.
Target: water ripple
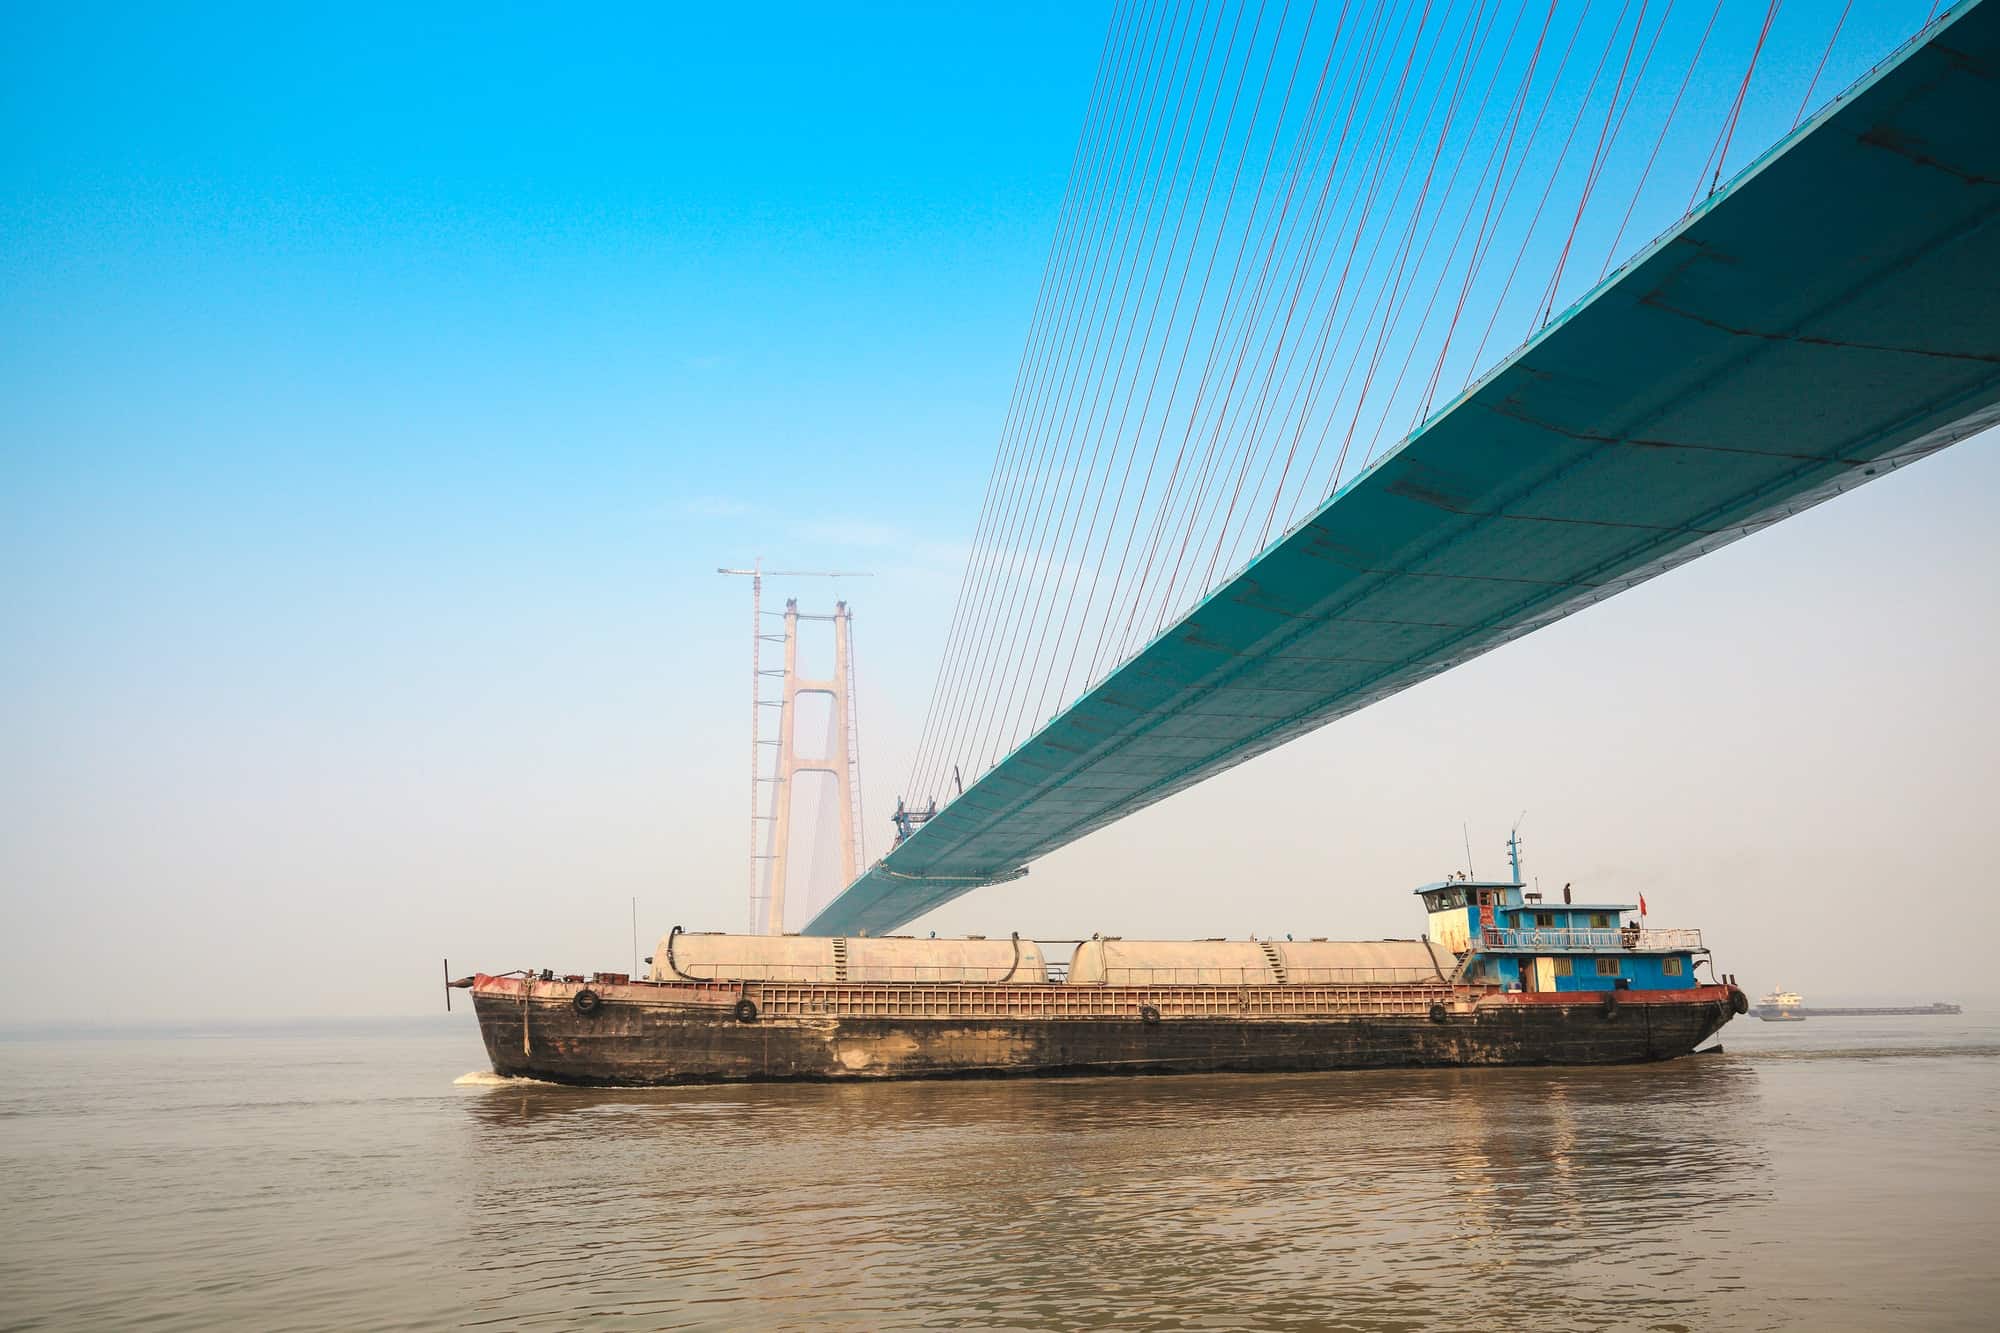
x=325, y=1184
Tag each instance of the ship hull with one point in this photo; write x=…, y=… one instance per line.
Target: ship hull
x=646, y=1034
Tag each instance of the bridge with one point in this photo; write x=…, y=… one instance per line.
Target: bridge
x=1829, y=315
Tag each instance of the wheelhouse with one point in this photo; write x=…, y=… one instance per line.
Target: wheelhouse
x=1509, y=935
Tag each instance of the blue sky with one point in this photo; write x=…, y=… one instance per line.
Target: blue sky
x=380, y=392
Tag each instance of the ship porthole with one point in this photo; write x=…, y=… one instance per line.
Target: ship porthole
x=1148, y=1015
x=1439, y=1013
x=746, y=1011
x=587, y=1002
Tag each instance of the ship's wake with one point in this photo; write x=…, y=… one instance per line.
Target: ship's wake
x=486, y=1078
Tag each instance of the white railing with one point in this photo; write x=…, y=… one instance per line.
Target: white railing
x=1197, y=975
x=828, y=973
x=1557, y=940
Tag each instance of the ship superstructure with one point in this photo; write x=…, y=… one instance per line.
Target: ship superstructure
x=1506, y=934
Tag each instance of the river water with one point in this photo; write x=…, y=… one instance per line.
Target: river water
x=1840, y=1173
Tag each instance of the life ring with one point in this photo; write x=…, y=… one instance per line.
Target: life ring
x=1439, y=1013
x=746, y=1011
x=587, y=1001
x=1609, y=1006
x=1148, y=1015
x=1739, y=1003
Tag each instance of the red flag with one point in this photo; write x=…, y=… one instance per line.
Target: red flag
x=1642, y=904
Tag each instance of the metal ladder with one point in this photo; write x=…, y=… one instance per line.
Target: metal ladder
x=1276, y=959
x=840, y=958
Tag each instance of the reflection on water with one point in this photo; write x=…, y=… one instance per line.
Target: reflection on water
x=1842, y=1176
x=1382, y=1200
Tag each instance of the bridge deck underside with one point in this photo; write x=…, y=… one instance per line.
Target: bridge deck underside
x=1832, y=315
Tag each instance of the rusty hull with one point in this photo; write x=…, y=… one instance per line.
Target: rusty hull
x=645, y=1034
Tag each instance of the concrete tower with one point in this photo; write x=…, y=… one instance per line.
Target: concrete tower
x=840, y=763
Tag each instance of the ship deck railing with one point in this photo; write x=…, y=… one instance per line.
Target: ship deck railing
x=1197, y=975
x=1031, y=1002
x=830, y=972
x=1531, y=939
x=1027, y=973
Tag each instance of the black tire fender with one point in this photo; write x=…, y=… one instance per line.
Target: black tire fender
x=1148, y=1015
x=587, y=1002
x=1609, y=1006
x=1439, y=1013
x=1739, y=1003
x=746, y=1011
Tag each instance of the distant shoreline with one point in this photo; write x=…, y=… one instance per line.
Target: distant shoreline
x=382, y=1025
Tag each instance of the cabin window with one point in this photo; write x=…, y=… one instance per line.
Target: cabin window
x=1672, y=967
x=1563, y=968
x=1607, y=967
x=1600, y=920
x=1545, y=918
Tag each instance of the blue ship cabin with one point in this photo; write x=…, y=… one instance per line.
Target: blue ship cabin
x=1506, y=935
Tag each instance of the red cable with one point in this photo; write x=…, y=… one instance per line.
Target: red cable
x=1228, y=292
x=1555, y=174
x=1391, y=317
x=1257, y=418
x=1437, y=288
x=1131, y=457
x=1820, y=68
x=1023, y=614
x=1665, y=125
x=1056, y=428
x=1721, y=154
x=1548, y=189
x=1463, y=63
x=1482, y=237
x=1083, y=160
x=1194, y=508
x=1021, y=500
x=1605, y=138
x=1117, y=377
x=1319, y=444
x=1201, y=300
x=1478, y=117
x=1067, y=288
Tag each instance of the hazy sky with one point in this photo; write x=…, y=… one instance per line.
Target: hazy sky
x=378, y=395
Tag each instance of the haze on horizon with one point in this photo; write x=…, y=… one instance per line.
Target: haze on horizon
x=381, y=396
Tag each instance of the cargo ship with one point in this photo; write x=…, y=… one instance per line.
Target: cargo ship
x=1780, y=1006
x=1785, y=1006
x=1500, y=978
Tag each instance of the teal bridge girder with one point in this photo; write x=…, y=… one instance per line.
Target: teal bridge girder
x=1831, y=315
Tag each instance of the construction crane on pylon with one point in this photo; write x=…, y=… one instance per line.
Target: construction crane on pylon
x=767, y=910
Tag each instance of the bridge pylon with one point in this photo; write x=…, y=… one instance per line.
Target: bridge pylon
x=841, y=762
x=764, y=841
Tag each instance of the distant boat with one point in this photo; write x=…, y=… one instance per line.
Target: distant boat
x=1786, y=1006
x=1781, y=1006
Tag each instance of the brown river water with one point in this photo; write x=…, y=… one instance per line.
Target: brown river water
x=1840, y=1173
